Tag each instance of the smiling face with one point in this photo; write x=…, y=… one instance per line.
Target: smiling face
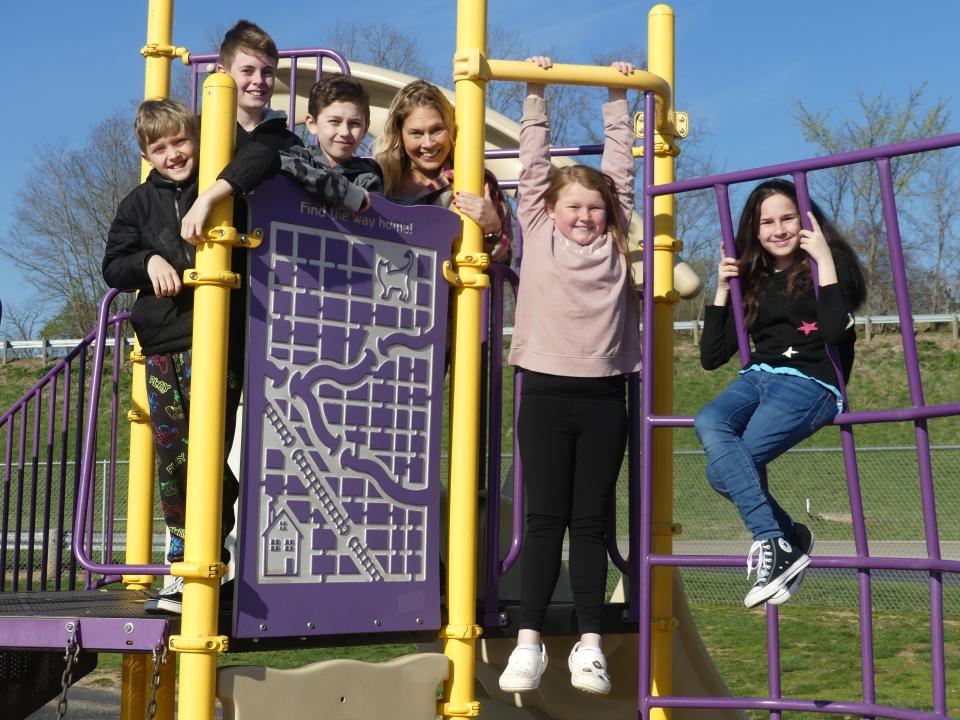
x=779, y=229
x=579, y=214
x=255, y=76
x=339, y=128
x=173, y=156
x=426, y=141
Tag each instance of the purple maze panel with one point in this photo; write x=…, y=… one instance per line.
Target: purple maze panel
x=339, y=520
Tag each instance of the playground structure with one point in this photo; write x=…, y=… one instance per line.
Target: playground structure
x=277, y=605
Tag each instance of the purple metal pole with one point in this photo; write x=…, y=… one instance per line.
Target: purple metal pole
x=114, y=417
x=516, y=543
x=34, y=487
x=491, y=610
x=736, y=292
x=78, y=442
x=864, y=581
x=195, y=70
x=18, y=519
x=62, y=487
x=48, y=482
x=773, y=656
x=641, y=588
x=7, y=488
x=292, y=105
x=924, y=465
x=634, y=478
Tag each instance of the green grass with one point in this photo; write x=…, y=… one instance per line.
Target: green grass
x=812, y=639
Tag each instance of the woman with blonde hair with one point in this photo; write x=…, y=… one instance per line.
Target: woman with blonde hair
x=415, y=152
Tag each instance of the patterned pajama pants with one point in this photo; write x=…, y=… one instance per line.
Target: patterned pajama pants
x=168, y=392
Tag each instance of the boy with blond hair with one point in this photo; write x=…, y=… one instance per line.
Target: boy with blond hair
x=338, y=115
x=145, y=252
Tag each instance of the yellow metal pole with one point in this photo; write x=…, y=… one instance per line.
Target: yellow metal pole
x=212, y=281
x=565, y=74
x=462, y=631
x=660, y=49
x=134, y=673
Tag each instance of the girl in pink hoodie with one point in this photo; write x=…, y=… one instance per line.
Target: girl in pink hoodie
x=576, y=336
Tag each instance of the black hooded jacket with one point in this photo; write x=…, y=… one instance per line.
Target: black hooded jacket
x=148, y=223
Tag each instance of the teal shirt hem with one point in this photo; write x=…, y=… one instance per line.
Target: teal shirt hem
x=763, y=367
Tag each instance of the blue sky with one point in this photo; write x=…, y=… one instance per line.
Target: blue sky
x=741, y=64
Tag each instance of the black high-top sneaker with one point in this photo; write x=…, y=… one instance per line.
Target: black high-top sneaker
x=777, y=561
x=804, y=539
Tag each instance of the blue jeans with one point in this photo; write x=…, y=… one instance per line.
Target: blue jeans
x=757, y=418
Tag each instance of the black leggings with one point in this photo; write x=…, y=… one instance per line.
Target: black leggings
x=572, y=434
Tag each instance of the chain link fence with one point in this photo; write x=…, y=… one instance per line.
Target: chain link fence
x=809, y=483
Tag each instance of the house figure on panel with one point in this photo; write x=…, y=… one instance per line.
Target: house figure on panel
x=281, y=544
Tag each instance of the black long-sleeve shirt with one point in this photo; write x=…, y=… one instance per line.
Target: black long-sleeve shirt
x=789, y=331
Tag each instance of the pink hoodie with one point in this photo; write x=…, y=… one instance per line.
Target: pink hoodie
x=576, y=315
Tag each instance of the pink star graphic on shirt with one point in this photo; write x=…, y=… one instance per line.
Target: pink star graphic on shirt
x=807, y=327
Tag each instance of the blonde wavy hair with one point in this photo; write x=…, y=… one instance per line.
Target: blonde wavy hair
x=388, y=148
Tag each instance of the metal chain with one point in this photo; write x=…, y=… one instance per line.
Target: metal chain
x=159, y=658
x=70, y=655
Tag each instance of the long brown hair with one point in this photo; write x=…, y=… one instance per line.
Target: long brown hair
x=592, y=179
x=756, y=263
x=388, y=148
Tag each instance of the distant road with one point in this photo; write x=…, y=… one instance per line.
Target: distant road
x=949, y=549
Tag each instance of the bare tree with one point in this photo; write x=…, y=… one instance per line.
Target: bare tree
x=22, y=322
x=380, y=44
x=940, y=228
x=852, y=193
x=65, y=208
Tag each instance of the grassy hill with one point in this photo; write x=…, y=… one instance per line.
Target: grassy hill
x=878, y=381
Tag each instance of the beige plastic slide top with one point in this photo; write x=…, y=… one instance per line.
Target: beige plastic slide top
x=402, y=689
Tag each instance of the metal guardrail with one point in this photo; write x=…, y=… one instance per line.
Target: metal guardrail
x=865, y=321
x=46, y=346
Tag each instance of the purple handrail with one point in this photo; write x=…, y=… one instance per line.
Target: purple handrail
x=196, y=61
x=84, y=496
x=863, y=563
x=40, y=399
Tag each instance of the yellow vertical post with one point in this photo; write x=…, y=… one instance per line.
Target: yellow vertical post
x=212, y=281
x=462, y=631
x=135, y=674
x=660, y=50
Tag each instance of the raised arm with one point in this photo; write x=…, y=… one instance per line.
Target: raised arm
x=835, y=304
x=534, y=152
x=618, y=160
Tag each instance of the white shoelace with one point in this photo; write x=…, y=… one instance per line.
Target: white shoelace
x=764, y=560
x=174, y=588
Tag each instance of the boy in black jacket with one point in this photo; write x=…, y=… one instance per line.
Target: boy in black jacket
x=145, y=251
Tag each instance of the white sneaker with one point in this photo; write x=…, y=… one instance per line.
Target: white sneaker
x=588, y=670
x=168, y=600
x=524, y=669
